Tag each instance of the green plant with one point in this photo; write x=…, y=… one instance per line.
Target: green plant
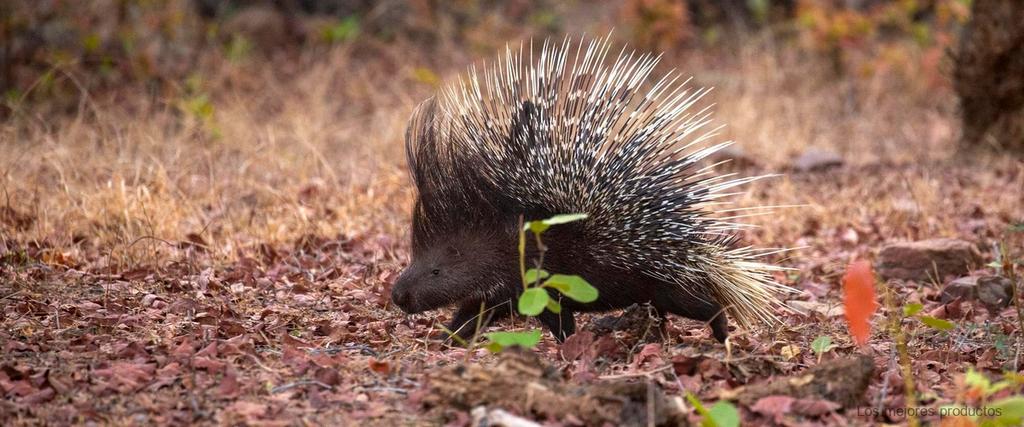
x=198, y=107
x=536, y=283
x=344, y=31
x=975, y=401
x=237, y=49
x=822, y=345
x=913, y=310
x=721, y=414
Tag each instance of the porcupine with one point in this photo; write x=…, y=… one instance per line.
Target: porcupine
x=571, y=134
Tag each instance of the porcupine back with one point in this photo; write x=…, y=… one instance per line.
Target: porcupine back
x=566, y=132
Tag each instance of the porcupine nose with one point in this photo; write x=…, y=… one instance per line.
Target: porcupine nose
x=401, y=296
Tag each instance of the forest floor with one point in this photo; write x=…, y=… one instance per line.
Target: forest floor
x=226, y=256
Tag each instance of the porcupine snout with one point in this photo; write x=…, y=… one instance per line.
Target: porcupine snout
x=402, y=295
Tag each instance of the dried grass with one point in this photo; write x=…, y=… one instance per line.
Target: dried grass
x=318, y=151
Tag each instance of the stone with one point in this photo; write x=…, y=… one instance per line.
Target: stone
x=993, y=292
x=732, y=158
x=964, y=288
x=816, y=160
x=927, y=259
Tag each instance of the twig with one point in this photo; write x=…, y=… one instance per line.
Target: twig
x=636, y=374
x=650, y=403
x=1009, y=272
x=288, y=386
x=397, y=390
x=895, y=323
x=256, y=360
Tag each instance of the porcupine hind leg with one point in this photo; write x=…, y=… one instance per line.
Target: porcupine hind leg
x=683, y=304
x=562, y=325
x=464, y=321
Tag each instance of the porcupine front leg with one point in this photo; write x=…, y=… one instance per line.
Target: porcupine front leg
x=464, y=321
x=562, y=325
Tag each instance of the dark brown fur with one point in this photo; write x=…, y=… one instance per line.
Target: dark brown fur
x=480, y=264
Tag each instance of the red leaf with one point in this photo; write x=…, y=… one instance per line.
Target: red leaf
x=229, y=387
x=380, y=366
x=649, y=355
x=859, y=299
x=774, y=407
x=576, y=345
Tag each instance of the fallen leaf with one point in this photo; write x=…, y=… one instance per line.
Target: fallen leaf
x=773, y=406
x=814, y=407
x=576, y=345
x=229, y=387
x=380, y=366
x=789, y=351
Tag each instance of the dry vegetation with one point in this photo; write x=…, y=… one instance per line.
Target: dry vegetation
x=224, y=254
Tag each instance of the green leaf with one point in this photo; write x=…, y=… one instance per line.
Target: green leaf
x=1010, y=410
x=564, y=218
x=531, y=275
x=695, y=402
x=724, y=414
x=91, y=43
x=822, y=344
x=345, y=30
x=554, y=306
x=501, y=340
x=537, y=227
x=912, y=309
x=540, y=226
x=533, y=301
x=999, y=385
x=238, y=48
x=975, y=379
x=573, y=287
x=935, y=322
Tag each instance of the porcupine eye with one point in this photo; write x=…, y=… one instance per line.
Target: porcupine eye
x=436, y=272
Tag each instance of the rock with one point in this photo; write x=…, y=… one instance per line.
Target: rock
x=964, y=288
x=734, y=158
x=993, y=292
x=926, y=259
x=522, y=383
x=842, y=381
x=816, y=160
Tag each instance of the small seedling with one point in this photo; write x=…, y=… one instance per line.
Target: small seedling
x=721, y=414
x=913, y=310
x=822, y=345
x=1007, y=411
x=536, y=282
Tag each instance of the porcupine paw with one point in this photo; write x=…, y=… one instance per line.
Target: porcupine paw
x=720, y=327
x=561, y=325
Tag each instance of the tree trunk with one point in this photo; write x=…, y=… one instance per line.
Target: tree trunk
x=989, y=76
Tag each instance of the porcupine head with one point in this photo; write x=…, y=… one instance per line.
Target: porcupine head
x=564, y=130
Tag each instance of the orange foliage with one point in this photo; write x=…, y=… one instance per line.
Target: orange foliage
x=859, y=299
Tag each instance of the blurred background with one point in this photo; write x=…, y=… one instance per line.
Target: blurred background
x=229, y=124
